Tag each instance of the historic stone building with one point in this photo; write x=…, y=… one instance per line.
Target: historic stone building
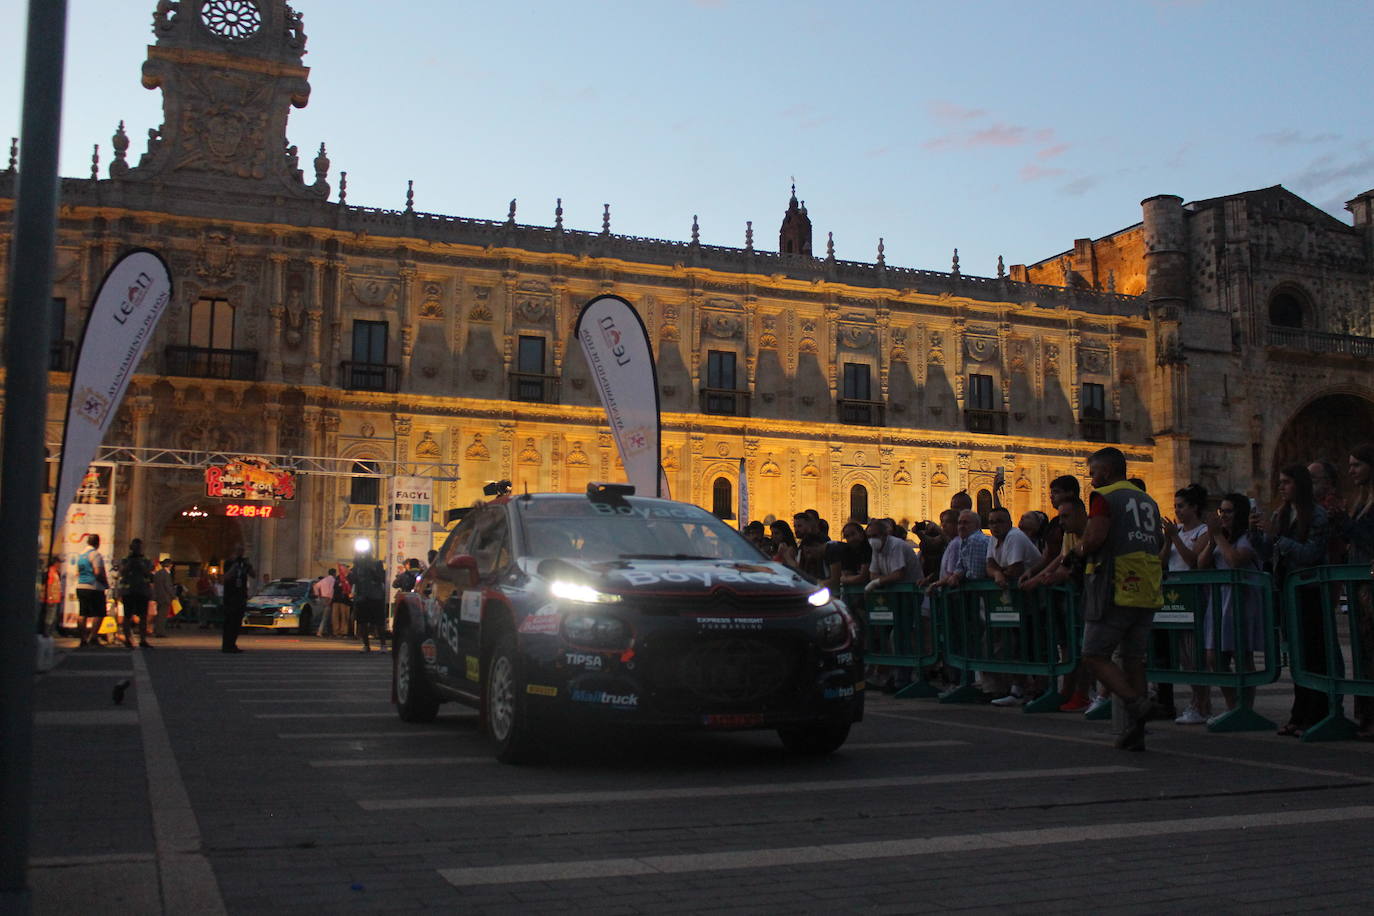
x=1211, y=341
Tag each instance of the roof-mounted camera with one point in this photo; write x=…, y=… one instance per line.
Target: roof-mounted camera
x=609, y=492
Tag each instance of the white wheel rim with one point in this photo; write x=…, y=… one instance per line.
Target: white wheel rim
x=502, y=697
x=403, y=675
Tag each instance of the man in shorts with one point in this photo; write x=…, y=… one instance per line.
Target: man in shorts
x=1122, y=587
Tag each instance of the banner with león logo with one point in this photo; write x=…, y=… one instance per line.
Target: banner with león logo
x=120, y=324
x=621, y=361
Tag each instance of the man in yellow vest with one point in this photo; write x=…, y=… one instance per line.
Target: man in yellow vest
x=1121, y=586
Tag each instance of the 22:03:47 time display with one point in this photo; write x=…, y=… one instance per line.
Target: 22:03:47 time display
x=237, y=510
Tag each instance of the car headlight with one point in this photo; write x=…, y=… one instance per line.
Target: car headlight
x=596, y=631
x=287, y=610
x=832, y=631
x=820, y=598
x=576, y=591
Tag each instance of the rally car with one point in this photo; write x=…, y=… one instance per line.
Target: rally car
x=284, y=604
x=609, y=609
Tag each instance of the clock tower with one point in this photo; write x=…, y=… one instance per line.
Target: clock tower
x=229, y=71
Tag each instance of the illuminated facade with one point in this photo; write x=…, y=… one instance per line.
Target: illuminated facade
x=306, y=326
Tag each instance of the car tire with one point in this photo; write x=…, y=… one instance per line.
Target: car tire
x=306, y=618
x=415, y=700
x=507, y=716
x=814, y=740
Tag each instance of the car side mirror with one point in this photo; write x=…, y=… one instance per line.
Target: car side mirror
x=464, y=561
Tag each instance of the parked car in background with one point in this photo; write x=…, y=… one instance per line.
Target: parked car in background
x=283, y=605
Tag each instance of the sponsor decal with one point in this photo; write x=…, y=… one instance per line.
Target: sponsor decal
x=474, y=668
x=705, y=577
x=879, y=616
x=542, y=690
x=606, y=698
x=540, y=624
x=583, y=660
x=472, y=607
x=838, y=693
x=1004, y=617
x=860, y=685
x=690, y=513
x=733, y=720
x=844, y=658
x=730, y=623
x=1171, y=616
x=448, y=632
x=429, y=651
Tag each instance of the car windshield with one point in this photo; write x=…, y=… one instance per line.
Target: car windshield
x=286, y=589
x=628, y=529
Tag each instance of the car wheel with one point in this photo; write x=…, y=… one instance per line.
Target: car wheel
x=415, y=701
x=507, y=719
x=816, y=740
x=303, y=628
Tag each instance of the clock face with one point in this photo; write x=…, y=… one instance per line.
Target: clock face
x=231, y=19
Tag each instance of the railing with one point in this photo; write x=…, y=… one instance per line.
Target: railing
x=534, y=387
x=369, y=376
x=211, y=362
x=1320, y=342
x=986, y=421
x=61, y=356
x=1099, y=429
x=726, y=402
x=861, y=413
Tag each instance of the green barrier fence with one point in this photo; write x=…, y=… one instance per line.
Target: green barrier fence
x=1009, y=631
x=1220, y=631
x=1319, y=604
x=895, y=634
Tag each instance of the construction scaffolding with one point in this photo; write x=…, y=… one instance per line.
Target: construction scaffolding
x=308, y=465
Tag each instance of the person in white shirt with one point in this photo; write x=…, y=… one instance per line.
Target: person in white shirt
x=1184, y=542
x=1011, y=555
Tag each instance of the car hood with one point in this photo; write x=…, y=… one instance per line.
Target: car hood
x=272, y=600
x=745, y=578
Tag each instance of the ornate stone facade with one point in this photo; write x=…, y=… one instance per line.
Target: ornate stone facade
x=307, y=326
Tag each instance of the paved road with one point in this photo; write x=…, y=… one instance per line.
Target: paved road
x=280, y=780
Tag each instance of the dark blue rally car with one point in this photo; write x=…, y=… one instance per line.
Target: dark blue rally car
x=561, y=609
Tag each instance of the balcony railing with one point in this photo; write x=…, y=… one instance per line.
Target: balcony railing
x=1099, y=429
x=986, y=421
x=861, y=413
x=209, y=362
x=1320, y=342
x=369, y=376
x=727, y=402
x=61, y=356
x=535, y=387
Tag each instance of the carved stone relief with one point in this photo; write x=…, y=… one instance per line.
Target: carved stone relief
x=478, y=450
x=432, y=306
x=577, y=458
x=529, y=454
x=427, y=447
x=770, y=468
x=481, y=304
x=375, y=292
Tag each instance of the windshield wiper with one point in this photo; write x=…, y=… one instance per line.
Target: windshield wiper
x=661, y=556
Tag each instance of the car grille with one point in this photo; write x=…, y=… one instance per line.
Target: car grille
x=724, y=671
x=722, y=602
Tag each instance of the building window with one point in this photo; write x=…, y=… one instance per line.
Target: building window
x=1094, y=401
x=531, y=358
x=369, y=342
x=1285, y=311
x=212, y=325
x=980, y=392
x=858, y=503
x=720, y=370
x=984, y=504
x=60, y=350
x=365, y=491
x=856, y=382
x=722, y=499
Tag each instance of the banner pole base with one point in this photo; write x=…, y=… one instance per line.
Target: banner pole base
x=1242, y=719
x=1335, y=727
x=1049, y=701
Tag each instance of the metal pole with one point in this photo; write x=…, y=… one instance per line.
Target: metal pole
x=27, y=332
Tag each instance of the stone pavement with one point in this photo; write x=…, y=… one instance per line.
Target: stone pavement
x=280, y=780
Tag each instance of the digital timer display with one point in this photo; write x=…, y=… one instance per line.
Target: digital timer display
x=250, y=510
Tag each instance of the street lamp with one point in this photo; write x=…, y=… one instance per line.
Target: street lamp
x=362, y=545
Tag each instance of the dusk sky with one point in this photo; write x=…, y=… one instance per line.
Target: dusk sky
x=998, y=128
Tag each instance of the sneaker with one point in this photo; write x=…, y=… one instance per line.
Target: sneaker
x=1098, y=702
x=1010, y=699
x=1076, y=703
x=1191, y=717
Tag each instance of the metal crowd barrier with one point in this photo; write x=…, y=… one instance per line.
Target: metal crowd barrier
x=894, y=633
x=1230, y=614
x=1009, y=631
x=1346, y=598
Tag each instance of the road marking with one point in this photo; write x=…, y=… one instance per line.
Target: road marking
x=91, y=672
x=768, y=788
x=399, y=761
x=88, y=717
x=380, y=698
x=1100, y=742
x=322, y=689
x=187, y=880
x=229, y=681
x=116, y=858
x=888, y=849
x=879, y=745
x=364, y=736
x=324, y=715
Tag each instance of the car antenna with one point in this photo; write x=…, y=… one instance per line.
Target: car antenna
x=527, y=490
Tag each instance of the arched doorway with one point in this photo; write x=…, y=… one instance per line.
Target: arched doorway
x=858, y=503
x=1327, y=427
x=193, y=535
x=722, y=499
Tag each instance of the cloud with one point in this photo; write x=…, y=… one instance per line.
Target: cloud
x=950, y=113
x=994, y=135
x=1327, y=170
x=1033, y=172
x=1080, y=186
x=1050, y=152
x=1291, y=137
